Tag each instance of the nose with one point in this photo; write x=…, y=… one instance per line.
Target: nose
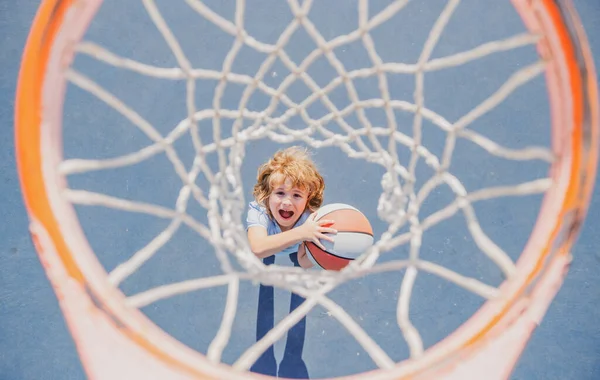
x=286, y=201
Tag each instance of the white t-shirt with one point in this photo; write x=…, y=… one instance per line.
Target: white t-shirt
x=258, y=216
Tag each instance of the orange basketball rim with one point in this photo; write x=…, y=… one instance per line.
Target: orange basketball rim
x=116, y=341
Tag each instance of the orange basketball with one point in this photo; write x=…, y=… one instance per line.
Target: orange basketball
x=354, y=237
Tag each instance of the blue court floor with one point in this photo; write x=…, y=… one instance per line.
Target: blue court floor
x=35, y=343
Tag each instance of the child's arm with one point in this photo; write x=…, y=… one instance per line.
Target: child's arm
x=264, y=245
x=303, y=260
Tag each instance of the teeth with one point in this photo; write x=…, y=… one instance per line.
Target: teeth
x=286, y=214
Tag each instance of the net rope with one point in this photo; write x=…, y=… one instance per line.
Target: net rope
x=400, y=200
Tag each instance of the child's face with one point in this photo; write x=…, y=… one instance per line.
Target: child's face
x=287, y=204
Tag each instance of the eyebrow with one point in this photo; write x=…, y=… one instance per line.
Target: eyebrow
x=295, y=190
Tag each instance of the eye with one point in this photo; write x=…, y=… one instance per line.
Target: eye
x=297, y=195
x=279, y=192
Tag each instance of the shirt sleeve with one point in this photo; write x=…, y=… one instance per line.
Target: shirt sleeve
x=305, y=215
x=257, y=216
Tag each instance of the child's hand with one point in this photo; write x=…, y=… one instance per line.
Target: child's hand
x=303, y=260
x=313, y=230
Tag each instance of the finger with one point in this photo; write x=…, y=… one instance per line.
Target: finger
x=328, y=230
x=326, y=237
x=319, y=244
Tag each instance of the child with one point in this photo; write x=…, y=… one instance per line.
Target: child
x=288, y=192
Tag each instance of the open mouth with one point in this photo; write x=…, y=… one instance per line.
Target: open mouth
x=286, y=214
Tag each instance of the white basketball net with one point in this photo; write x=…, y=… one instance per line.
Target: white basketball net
x=224, y=201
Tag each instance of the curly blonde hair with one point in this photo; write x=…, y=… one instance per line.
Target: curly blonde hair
x=294, y=164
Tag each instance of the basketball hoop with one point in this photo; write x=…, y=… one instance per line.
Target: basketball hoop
x=116, y=340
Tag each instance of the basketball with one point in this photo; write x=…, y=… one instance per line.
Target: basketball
x=354, y=237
